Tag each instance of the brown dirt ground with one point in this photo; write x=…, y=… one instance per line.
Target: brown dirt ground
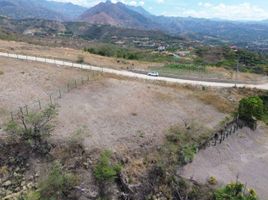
x=243, y=155
x=112, y=113
x=23, y=82
x=128, y=114
x=104, y=113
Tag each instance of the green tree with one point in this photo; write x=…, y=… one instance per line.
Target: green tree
x=251, y=107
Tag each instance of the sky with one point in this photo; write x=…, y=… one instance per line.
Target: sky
x=219, y=9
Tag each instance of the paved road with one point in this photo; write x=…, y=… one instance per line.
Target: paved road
x=130, y=74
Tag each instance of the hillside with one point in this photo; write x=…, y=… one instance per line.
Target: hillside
x=40, y=9
x=117, y=15
x=253, y=34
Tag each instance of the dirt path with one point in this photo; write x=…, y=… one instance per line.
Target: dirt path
x=131, y=74
x=244, y=155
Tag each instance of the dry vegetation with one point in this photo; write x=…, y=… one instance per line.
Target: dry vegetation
x=72, y=55
x=129, y=117
x=78, y=55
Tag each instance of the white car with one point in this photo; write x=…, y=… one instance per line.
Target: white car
x=156, y=74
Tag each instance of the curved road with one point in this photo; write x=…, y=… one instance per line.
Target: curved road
x=130, y=74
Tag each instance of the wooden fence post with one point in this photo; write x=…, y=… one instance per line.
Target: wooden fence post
x=39, y=102
x=12, y=117
x=50, y=97
x=26, y=108
x=60, y=93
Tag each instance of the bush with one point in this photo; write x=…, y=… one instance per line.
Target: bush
x=235, y=191
x=251, y=107
x=212, y=180
x=33, y=128
x=187, y=153
x=57, y=184
x=105, y=170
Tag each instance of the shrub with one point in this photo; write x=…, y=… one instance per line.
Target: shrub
x=251, y=107
x=105, y=170
x=1, y=72
x=187, y=153
x=212, y=180
x=57, y=184
x=34, y=128
x=235, y=191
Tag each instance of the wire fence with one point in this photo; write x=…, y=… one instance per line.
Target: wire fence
x=52, y=98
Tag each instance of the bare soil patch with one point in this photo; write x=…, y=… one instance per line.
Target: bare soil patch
x=243, y=155
x=112, y=113
x=23, y=82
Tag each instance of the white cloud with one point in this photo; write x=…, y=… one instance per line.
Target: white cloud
x=243, y=11
x=160, y=1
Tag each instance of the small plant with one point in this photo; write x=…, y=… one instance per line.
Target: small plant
x=57, y=184
x=187, y=153
x=212, y=180
x=235, y=191
x=105, y=170
x=1, y=72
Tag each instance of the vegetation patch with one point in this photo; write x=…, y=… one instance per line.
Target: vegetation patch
x=57, y=185
x=235, y=191
x=111, y=50
x=220, y=103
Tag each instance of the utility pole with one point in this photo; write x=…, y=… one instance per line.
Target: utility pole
x=237, y=71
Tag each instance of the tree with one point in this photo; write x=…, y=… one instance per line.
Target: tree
x=251, y=107
x=34, y=128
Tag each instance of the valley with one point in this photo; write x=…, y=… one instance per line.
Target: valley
x=112, y=100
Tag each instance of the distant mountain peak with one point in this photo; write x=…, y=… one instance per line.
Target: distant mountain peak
x=118, y=14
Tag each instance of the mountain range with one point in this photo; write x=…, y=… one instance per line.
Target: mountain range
x=124, y=16
x=40, y=9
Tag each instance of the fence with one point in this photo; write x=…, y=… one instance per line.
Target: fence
x=222, y=134
x=51, y=98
